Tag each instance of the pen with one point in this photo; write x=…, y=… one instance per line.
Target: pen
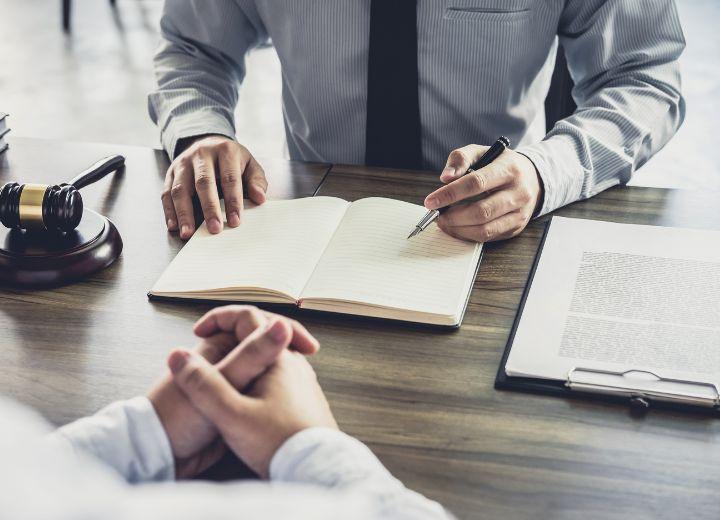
x=489, y=156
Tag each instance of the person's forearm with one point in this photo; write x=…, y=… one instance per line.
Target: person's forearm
x=332, y=459
x=628, y=96
x=198, y=69
x=128, y=437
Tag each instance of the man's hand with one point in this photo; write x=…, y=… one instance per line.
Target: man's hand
x=285, y=400
x=262, y=336
x=208, y=163
x=512, y=192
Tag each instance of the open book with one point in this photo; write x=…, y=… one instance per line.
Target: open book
x=325, y=253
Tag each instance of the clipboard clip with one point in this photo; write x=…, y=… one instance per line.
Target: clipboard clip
x=642, y=387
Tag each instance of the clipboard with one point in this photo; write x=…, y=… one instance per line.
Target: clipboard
x=606, y=386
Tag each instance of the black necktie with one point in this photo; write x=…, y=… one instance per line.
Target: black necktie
x=393, y=110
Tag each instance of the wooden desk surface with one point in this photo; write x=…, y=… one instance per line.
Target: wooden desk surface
x=422, y=399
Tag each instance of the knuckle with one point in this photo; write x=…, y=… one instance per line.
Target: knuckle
x=249, y=314
x=183, y=163
x=524, y=195
x=202, y=182
x=485, y=211
x=202, y=147
x=227, y=145
x=165, y=195
x=177, y=191
x=477, y=182
x=457, y=155
x=195, y=379
x=514, y=171
x=488, y=233
x=229, y=178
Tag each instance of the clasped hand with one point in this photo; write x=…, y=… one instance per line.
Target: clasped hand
x=246, y=387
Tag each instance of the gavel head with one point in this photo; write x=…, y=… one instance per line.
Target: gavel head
x=38, y=207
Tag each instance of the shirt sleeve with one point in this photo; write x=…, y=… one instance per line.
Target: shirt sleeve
x=126, y=436
x=334, y=460
x=622, y=57
x=198, y=67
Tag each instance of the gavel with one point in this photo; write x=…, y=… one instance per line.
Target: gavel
x=54, y=208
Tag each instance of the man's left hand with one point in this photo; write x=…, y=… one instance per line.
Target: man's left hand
x=511, y=188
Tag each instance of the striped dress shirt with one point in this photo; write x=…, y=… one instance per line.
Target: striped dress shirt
x=484, y=70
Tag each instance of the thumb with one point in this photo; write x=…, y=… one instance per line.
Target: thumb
x=206, y=388
x=256, y=182
x=460, y=160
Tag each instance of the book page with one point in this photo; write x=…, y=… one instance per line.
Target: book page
x=370, y=260
x=619, y=297
x=276, y=247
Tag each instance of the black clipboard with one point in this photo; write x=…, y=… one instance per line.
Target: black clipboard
x=639, y=403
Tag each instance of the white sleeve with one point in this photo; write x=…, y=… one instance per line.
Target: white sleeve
x=332, y=459
x=128, y=437
x=73, y=485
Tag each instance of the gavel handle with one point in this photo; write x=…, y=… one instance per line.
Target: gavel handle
x=98, y=170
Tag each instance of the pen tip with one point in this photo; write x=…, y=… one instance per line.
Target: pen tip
x=415, y=232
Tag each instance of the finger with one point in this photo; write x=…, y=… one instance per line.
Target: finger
x=230, y=164
x=256, y=181
x=243, y=319
x=240, y=320
x=501, y=228
x=460, y=160
x=167, y=202
x=217, y=346
x=474, y=183
x=254, y=355
x=206, y=188
x=482, y=211
x=206, y=388
x=302, y=340
x=181, y=193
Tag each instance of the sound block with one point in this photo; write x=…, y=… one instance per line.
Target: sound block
x=39, y=259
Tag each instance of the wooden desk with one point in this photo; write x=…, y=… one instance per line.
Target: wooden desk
x=423, y=400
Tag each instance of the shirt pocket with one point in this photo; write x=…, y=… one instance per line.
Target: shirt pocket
x=488, y=10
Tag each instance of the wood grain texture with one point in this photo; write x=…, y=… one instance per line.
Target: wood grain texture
x=422, y=399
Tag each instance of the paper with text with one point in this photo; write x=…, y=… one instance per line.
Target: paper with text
x=621, y=297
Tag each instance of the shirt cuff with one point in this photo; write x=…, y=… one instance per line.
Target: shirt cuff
x=191, y=125
x=127, y=436
x=326, y=457
x=556, y=161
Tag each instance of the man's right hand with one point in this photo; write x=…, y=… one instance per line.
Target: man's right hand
x=284, y=401
x=210, y=162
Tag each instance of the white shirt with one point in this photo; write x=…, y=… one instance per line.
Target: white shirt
x=117, y=464
x=484, y=69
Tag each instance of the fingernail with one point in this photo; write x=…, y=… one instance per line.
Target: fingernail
x=178, y=360
x=234, y=219
x=214, y=225
x=431, y=203
x=277, y=332
x=170, y=223
x=185, y=231
x=448, y=171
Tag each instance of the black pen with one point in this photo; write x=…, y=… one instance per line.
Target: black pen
x=489, y=156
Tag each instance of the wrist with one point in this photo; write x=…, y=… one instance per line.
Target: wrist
x=540, y=198
x=186, y=142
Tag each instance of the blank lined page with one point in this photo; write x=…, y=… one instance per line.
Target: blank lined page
x=370, y=260
x=276, y=247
